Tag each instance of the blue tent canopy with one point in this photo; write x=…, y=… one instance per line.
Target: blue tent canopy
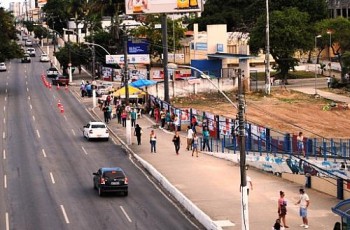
x=142, y=83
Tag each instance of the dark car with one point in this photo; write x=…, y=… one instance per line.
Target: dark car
x=26, y=59
x=60, y=80
x=110, y=180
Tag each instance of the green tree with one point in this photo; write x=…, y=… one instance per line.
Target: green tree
x=340, y=32
x=77, y=55
x=154, y=36
x=289, y=32
x=8, y=46
x=242, y=15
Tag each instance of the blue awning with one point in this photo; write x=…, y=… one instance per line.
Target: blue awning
x=342, y=208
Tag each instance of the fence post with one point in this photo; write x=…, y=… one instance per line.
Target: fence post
x=268, y=140
x=324, y=150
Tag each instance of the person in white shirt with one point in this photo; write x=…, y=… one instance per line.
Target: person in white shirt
x=189, y=138
x=304, y=202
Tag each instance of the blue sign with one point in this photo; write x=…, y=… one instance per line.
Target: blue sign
x=219, y=47
x=201, y=46
x=138, y=46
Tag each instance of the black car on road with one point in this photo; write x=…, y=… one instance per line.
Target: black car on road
x=110, y=180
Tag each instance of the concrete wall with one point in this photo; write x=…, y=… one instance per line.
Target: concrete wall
x=323, y=184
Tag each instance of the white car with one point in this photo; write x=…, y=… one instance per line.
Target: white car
x=31, y=52
x=2, y=67
x=96, y=130
x=28, y=43
x=44, y=58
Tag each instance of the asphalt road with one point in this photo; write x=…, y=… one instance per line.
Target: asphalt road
x=46, y=165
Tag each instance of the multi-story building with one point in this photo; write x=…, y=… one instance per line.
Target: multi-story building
x=338, y=8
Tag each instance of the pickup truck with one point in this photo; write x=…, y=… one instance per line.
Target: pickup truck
x=60, y=80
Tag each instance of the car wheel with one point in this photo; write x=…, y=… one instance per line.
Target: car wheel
x=126, y=193
x=100, y=192
x=106, y=139
x=94, y=184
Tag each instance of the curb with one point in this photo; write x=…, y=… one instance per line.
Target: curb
x=203, y=218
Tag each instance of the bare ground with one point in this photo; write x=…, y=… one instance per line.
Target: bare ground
x=284, y=110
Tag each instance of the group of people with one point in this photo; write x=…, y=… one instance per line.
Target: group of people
x=86, y=88
x=303, y=202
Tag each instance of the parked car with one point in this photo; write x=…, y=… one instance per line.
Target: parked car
x=26, y=59
x=44, y=58
x=31, y=52
x=110, y=180
x=102, y=90
x=3, y=66
x=60, y=80
x=28, y=43
x=96, y=130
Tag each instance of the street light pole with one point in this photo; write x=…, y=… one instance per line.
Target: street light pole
x=329, y=52
x=318, y=36
x=126, y=71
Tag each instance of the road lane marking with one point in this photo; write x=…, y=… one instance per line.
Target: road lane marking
x=4, y=154
x=7, y=83
x=27, y=90
x=4, y=120
x=5, y=98
x=31, y=107
x=28, y=97
x=127, y=216
x=65, y=214
x=3, y=135
x=65, y=117
x=5, y=181
x=37, y=132
x=43, y=151
x=7, y=222
x=5, y=90
x=73, y=132
x=84, y=150
x=4, y=108
x=33, y=118
x=52, y=179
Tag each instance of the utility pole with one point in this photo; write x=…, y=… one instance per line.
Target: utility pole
x=126, y=72
x=267, y=58
x=165, y=57
x=242, y=159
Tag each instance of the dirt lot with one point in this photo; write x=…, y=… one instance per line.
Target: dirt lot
x=284, y=110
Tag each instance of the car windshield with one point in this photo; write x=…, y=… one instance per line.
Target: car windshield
x=98, y=126
x=113, y=174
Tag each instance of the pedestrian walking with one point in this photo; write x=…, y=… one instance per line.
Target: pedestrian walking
x=162, y=118
x=300, y=143
x=153, y=141
x=189, y=138
x=105, y=113
x=206, y=138
x=123, y=116
x=133, y=116
x=119, y=112
x=282, y=209
x=138, y=133
x=177, y=142
x=304, y=202
x=195, y=144
x=329, y=81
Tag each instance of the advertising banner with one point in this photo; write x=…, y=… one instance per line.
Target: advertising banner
x=138, y=46
x=132, y=59
x=162, y=6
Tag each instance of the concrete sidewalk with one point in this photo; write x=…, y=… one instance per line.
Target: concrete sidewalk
x=208, y=186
